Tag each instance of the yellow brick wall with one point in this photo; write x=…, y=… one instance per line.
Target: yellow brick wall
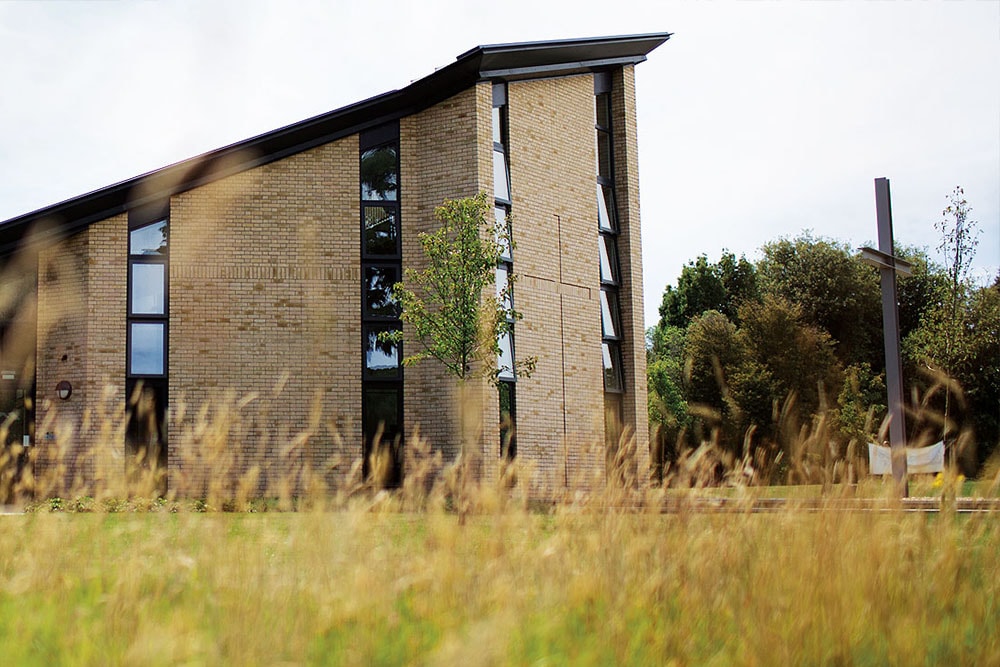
x=444, y=151
x=559, y=408
x=81, y=339
x=265, y=317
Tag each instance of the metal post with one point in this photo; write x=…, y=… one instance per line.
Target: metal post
x=890, y=333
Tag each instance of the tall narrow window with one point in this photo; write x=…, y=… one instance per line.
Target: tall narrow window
x=607, y=246
x=502, y=204
x=381, y=268
x=146, y=339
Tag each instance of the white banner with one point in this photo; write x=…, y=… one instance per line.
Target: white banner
x=918, y=460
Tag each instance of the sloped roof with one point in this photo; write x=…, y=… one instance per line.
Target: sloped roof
x=494, y=62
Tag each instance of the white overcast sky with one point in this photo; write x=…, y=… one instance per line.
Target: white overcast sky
x=756, y=120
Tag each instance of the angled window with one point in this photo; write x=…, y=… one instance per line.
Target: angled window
x=501, y=181
x=612, y=356
x=606, y=208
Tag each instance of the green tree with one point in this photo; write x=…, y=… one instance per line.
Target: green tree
x=861, y=406
x=835, y=291
x=713, y=350
x=451, y=305
x=786, y=357
x=668, y=409
x=965, y=351
x=959, y=239
x=704, y=286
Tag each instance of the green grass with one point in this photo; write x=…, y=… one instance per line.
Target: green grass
x=357, y=587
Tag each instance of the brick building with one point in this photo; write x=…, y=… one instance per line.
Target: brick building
x=247, y=284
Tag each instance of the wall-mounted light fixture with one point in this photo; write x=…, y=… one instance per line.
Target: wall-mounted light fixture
x=64, y=389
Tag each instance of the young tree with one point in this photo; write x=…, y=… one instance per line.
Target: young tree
x=959, y=239
x=454, y=318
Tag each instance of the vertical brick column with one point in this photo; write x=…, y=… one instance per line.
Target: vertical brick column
x=630, y=257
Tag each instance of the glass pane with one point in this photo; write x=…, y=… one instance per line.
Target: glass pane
x=603, y=110
x=381, y=409
x=609, y=314
x=508, y=446
x=501, y=186
x=148, y=281
x=603, y=154
x=502, y=229
x=379, y=300
x=612, y=367
x=379, y=174
x=148, y=240
x=504, y=291
x=146, y=356
x=381, y=229
x=497, y=131
x=381, y=357
x=605, y=208
x=609, y=259
x=505, y=359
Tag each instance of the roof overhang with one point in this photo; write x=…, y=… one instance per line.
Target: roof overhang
x=495, y=62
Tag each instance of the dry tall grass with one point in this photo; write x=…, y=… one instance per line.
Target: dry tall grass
x=370, y=585
x=359, y=576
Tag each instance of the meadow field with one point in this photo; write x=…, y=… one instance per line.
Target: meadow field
x=583, y=581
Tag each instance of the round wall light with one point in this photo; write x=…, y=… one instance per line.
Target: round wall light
x=64, y=389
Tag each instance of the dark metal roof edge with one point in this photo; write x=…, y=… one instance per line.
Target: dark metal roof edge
x=651, y=37
x=79, y=211
x=561, y=69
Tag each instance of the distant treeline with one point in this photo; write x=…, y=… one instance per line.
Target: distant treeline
x=750, y=356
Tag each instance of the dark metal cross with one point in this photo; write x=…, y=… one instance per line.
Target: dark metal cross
x=889, y=265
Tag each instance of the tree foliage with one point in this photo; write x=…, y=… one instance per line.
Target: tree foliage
x=456, y=315
x=835, y=291
x=739, y=345
x=703, y=286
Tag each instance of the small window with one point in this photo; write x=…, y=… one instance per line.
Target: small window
x=382, y=358
x=379, y=299
x=504, y=288
x=379, y=174
x=505, y=359
x=501, y=183
x=382, y=411
x=609, y=259
x=609, y=314
x=497, y=127
x=612, y=367
x=508, y=420
x=605, y=208
x=603, y=154
x=502, y=232
x=602, y=101
x=381, y=230
x=147, y=348
x=148, y=240
x=148, y=287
